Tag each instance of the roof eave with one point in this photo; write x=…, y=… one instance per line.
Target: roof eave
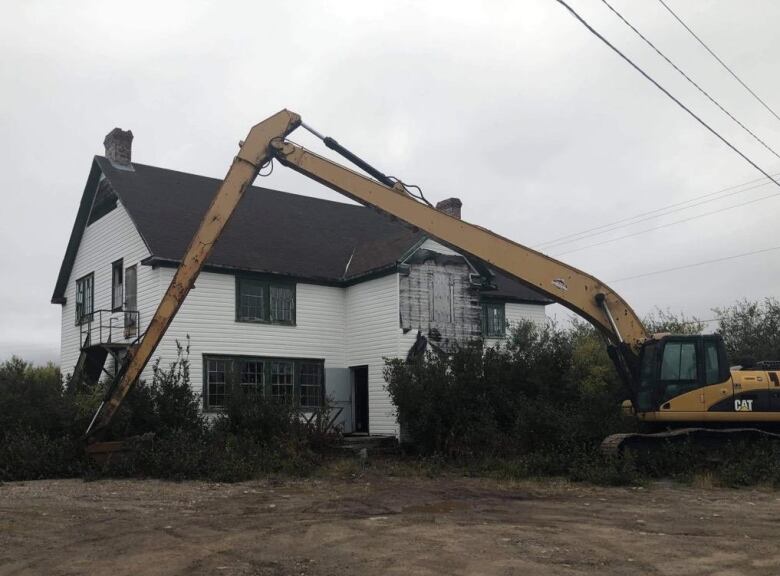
x=58, y=297
x=224, y=269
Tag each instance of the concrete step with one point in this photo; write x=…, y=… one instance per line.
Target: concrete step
x=364, y=444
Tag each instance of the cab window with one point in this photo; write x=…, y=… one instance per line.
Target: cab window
x=711, y=363
x=679, y=361
x=678, y=369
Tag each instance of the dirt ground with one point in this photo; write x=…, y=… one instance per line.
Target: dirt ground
x=374, y=524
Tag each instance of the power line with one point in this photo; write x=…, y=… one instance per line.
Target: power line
x=650, y=215
x=708, y=194
x=668, y=224
x=722, y=63
x=689, y=79
x=696, y=264
x=664, y=90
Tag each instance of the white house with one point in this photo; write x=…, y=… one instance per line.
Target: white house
x=302, y=297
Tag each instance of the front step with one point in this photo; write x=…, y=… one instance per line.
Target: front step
x=364, y=444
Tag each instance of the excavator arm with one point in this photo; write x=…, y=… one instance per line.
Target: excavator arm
x=580, y=292
x=254, y=153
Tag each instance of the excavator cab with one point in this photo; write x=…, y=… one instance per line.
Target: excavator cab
x=674, y=370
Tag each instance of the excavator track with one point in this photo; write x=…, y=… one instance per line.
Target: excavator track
x=616, y=444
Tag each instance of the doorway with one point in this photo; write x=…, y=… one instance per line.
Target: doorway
x=360, y=398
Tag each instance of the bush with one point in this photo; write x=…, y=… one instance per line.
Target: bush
x=38, y=438
x=170, y=438
x=542, y=400
x=41, y=423
x=33, y=398
x=751, y=330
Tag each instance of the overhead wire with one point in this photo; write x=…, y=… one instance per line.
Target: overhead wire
x=696, y=264
x=721, y=62
x=668, y=224
x=652, y=214
x=664, y=90
x=641, y=214
x=689, y=79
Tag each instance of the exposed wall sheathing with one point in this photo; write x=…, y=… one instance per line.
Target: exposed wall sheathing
x=438, y=298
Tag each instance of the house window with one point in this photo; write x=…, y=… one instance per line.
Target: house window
x=265, y=301
x=294, y=382
x=252, y=376
x=216, y=383
x=251, y=300
x=493, y=320
x=131, y=301
x=85, y=298
x=117, y=286
x=310, y=378
x=282, y=304
x=282, y=386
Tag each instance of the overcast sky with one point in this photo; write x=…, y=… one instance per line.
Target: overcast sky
x=514, y=107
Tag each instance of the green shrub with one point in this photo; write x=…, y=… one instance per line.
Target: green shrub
x=548, y=390
x=751, y=330
x=27, y=454
x=162, y=406
x=37, y=432
x=32, y=397
x=170, y=438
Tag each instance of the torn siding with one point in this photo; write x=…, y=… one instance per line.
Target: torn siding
x=437, y=297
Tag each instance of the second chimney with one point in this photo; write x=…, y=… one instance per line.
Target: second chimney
x=450, y=206
x=119, y=147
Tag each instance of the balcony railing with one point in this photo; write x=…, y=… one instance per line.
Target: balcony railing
x=110, y=327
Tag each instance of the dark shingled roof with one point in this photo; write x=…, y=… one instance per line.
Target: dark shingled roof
x=271, y=232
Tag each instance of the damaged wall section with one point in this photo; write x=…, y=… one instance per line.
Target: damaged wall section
x=437, y=297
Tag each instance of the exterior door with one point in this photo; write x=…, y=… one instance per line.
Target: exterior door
x=360, y=398
x=131, y=302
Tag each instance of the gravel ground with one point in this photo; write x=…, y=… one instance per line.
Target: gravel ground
x=375, y=524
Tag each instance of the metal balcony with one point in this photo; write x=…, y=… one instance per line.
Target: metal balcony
x=110, y=328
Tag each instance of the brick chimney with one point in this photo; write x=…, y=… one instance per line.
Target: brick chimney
x=450, y=206
x=119, y=147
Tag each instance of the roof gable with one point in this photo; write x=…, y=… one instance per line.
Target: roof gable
x=76, y=233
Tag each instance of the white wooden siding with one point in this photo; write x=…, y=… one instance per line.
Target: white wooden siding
x=435, y=246
x=110, y=238
x=516, y=312
x=208, y=316
x=373, y=333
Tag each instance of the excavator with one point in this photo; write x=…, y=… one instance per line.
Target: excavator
x=679, y=382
